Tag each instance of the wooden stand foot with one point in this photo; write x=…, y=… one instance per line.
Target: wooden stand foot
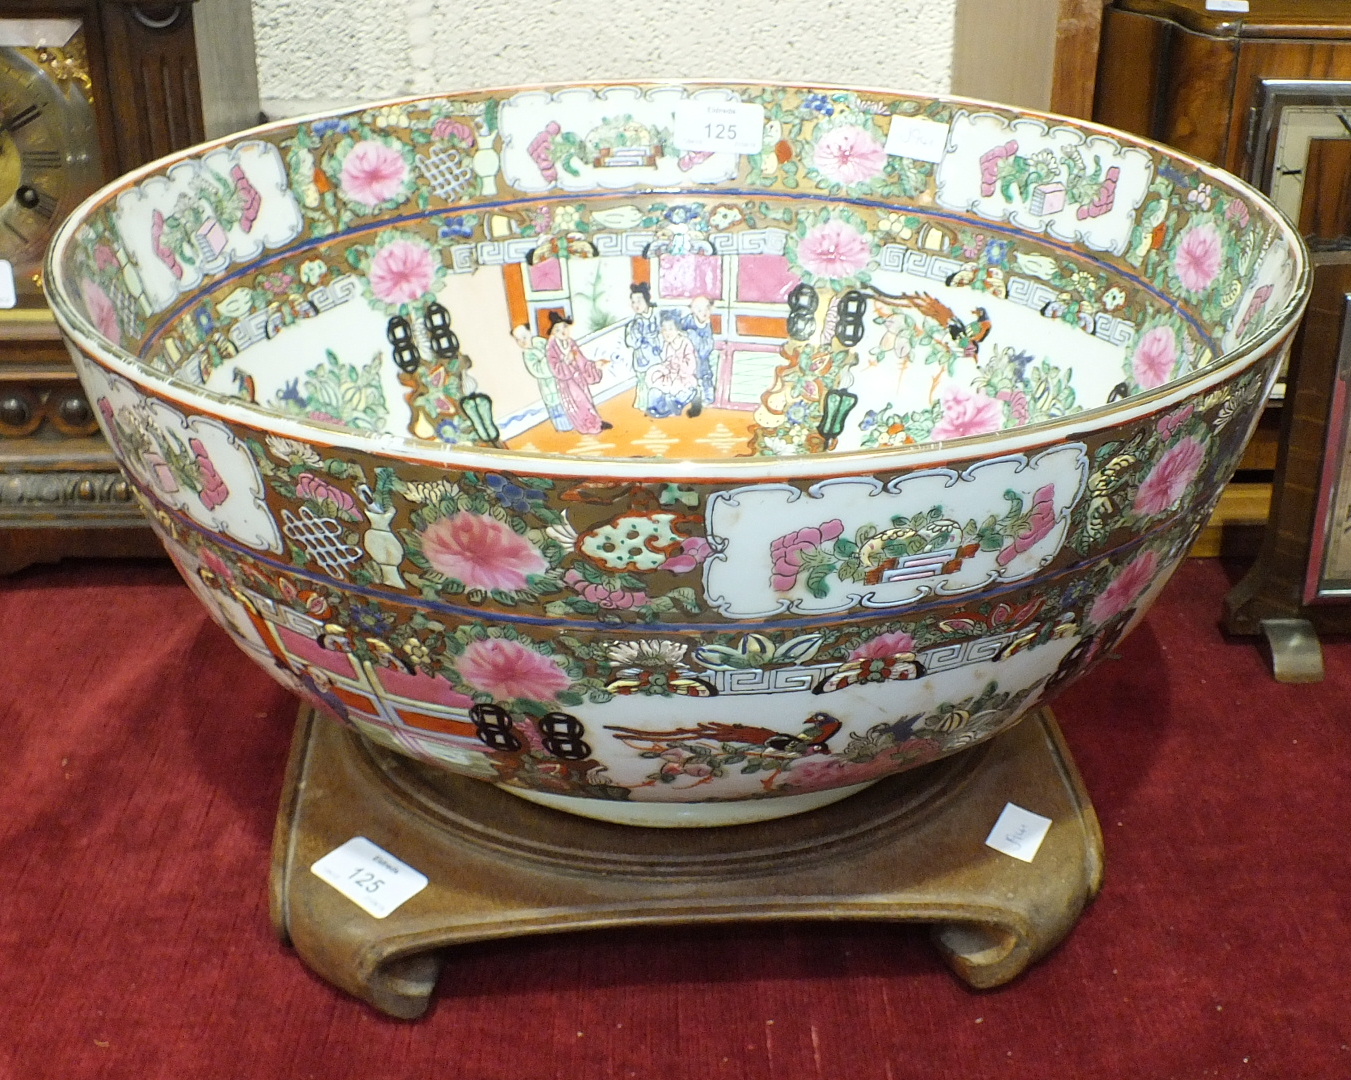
x=1296, y=656
x=909, y=849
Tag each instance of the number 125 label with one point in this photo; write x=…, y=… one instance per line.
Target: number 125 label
x=735, y=126
x=369, y=876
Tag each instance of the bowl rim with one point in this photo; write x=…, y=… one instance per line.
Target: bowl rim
x=1274, y=333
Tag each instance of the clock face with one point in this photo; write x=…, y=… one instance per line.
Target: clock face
x=48, y=159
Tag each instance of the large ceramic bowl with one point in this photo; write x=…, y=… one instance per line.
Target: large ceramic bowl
x=809, y=435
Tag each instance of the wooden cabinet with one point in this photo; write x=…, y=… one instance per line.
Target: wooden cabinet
x=1191, y=78
x=1204, y=82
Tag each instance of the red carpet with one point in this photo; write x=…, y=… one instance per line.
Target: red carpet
x=143, y=763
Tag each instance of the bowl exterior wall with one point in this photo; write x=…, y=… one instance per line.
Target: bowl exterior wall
x=667, y=639
x=974, y=378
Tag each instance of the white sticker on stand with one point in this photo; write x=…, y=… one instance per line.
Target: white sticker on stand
x=1237, y=7
x=917, y=137
x=369, y=876
x=8, y=297
x=713, y=126
x=1018, y=832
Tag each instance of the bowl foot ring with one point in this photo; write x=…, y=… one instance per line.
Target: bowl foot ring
x=907, y=849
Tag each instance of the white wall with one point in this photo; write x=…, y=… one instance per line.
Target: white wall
x=319, y=54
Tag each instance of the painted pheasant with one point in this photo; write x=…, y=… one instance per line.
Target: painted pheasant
x=966, y=336
x=820, y=728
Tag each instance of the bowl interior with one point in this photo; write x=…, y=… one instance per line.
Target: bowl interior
x=606, y=273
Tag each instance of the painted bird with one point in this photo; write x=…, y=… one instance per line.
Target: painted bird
x=817, y=732
x=244, y=383
x=967, y=336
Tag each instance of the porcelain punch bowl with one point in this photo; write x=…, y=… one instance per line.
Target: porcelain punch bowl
x=678, y=454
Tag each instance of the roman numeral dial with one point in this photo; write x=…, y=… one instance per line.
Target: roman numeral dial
x=35, y=199
x=48, y=155
x=15, y=121
x=41, y=160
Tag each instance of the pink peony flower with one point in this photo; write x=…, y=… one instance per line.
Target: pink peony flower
x=692, y=552
x=102, y=311
x=448, y=127
x=401, y=272
x=833, y=249
x=1125, y=588
x=885, y=646
x=1170, y=478
x=216, y=565
x=819, y=772
x=1199, y=253
x=1019, y=407
x=510, y=670
x=989, y=166
x=1040, y=522
x=214, y=492
x=1168, y=425
x=849, y=155
x=540, y=153
x=785, y=553
x=481, y=552
x=166, y=254
x=623, y=599
x=687, y=767
x=309, y=486
x=1154, y=357
x=373, y=173
x=968, y=412
x=604, y=596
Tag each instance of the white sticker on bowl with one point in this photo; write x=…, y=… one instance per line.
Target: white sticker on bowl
x=918, y=138
x=369, y=876
x=8, y=297
x=1239, y=7
x=735, y=126
x=1018, y=832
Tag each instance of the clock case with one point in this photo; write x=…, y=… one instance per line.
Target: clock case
x=164, y=76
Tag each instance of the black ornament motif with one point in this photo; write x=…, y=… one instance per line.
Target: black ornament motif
x=852, y=307
x=802, y=303
x=400, y=334
x=495, y=727
x=563, y=736
x=444, y=342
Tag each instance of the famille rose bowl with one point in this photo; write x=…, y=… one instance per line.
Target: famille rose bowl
x=809, y=435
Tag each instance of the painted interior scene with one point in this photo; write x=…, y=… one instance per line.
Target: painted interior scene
x=704, y=337
x=861, y=280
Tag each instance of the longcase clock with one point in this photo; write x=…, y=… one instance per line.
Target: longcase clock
x=89, y=89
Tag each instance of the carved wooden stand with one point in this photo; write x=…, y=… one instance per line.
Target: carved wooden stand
x=909, y=849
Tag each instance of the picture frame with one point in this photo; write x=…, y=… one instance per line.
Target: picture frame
x=1328, y=573
x=1300, y=586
